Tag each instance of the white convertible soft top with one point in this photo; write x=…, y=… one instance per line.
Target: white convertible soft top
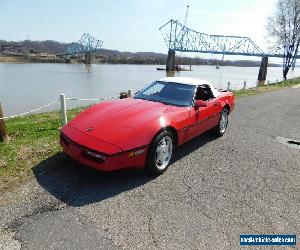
x=191, y=81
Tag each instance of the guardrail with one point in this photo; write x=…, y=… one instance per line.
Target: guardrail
x=63, y=106
x=63, y=110
x=63, y=102
x=244, y=84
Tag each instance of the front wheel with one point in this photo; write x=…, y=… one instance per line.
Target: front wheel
x=220, y=129
x=160, y=153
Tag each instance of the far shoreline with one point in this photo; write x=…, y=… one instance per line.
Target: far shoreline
x=25, y=59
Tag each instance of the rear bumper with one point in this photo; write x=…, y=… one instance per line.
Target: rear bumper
x=107, y=162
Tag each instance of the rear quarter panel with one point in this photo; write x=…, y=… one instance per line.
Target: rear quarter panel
x=227, y=98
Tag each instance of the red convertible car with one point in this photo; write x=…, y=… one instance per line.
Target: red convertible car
x=144, y=130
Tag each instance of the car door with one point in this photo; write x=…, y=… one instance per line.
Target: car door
x=204, y=118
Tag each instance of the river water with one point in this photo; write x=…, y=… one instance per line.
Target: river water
x=24, y=87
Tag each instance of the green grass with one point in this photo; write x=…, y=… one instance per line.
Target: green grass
x=266, y=88
x=34, y=138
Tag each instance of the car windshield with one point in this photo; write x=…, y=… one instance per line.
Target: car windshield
x=168, y=93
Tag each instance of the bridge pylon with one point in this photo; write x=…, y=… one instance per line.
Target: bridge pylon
x=170, y=66
x=87, y=58
x=262, y=75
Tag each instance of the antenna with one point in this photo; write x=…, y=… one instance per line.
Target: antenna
x=186, y=15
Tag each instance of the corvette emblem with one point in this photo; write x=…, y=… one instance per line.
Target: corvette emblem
x=89, y=129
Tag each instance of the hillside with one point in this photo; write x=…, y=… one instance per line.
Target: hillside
x=115, y=56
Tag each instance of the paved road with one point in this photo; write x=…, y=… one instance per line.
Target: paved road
x=245, y=182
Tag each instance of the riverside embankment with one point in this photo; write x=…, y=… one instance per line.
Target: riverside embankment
x=34, y=138
x=25, y=86
x=215, y=190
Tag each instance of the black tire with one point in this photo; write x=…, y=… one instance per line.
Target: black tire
x=219, y=130
x=152, y=158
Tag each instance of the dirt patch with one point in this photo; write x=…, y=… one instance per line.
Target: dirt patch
x=12, y=59
x=296, y=86
x=31, y=152
x=2, y=163
x=8, y=242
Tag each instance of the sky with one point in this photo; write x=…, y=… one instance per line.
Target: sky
x=131, y=25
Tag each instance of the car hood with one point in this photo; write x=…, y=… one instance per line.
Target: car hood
x=117, y=121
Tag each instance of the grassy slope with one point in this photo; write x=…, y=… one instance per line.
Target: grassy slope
x=266, y=88
x=34, y=138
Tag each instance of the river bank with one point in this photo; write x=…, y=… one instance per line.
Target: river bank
x=36, y=84
x=12, y=59
x=31, y=59
x=128, y=59
x=34, y=138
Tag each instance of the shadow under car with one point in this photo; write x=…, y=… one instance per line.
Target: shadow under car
x=79, y=185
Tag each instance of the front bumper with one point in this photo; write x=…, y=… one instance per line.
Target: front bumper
x=105, y=162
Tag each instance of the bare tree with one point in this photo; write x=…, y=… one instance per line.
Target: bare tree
x=284, y=26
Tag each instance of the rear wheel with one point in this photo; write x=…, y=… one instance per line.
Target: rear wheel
x=160, y=153
x=220, y=129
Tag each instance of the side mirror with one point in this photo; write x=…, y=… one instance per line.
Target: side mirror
x=199, y=104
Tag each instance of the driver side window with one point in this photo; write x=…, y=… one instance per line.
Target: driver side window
x=204, y=93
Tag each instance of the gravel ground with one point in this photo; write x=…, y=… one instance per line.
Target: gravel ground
x=246, y=182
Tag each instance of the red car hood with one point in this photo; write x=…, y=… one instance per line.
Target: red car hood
x=117, y=121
